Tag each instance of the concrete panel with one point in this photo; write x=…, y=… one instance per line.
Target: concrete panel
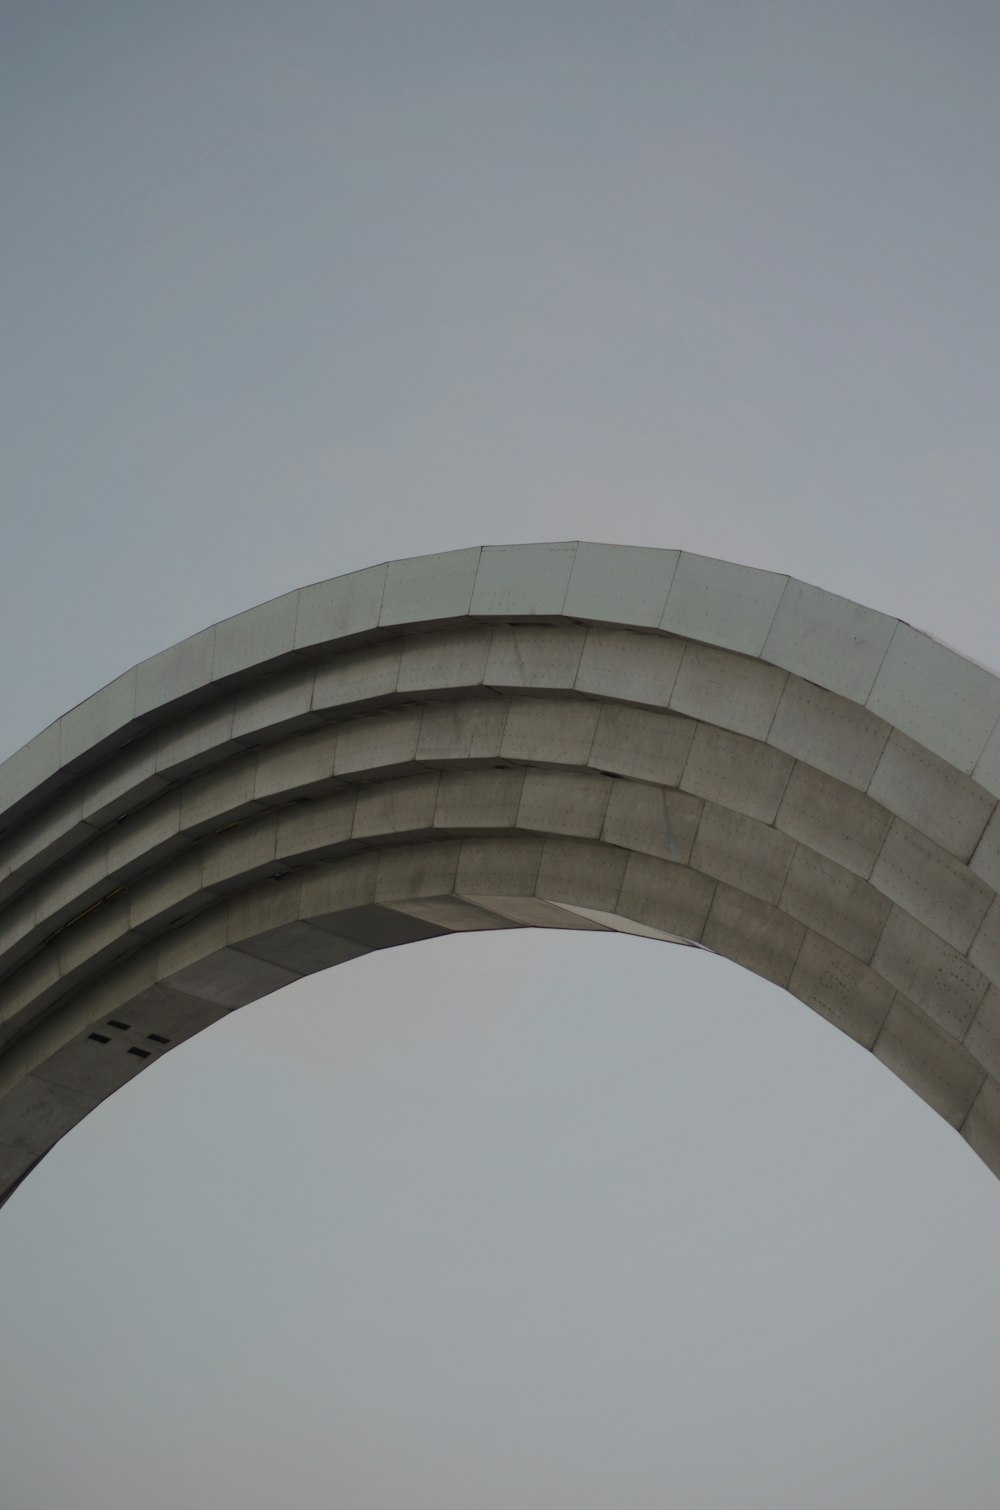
x=231, y=978
x=534, y=657
x=937, y=696
x=172, y=1014
x=450, y=660
x=241, y=854
x=146, y=838
x=743, y=852
x=382, y=744
x=469, y=801
x=429, y=588
x=985, y=861
x=840, y=988
x=276, y=707
x=255, y=637
x=620, y=584
x=417, y=870
x=532, y=912
x=295, y=768
x=736, y=772
x=929, y=973
x=196, y=740
x=935, y=887
x=651, y=820
x=329, y=889
x=302, y=948
x=45, y=837
x=261, y=908
x=96, y=722
x=357, y=678
x=981, y=1128
x=833, y=819
x=539, y=731
x=635, y=668
x=180, y=672
x=829, y=640
x=453, y=732
x=171, y=892
x=753, y=934
x=735, y=693
x=644, y=745
x=987, y=770
x=28, y=990
x=339, y=609
x=523, y=581
x=397, y=807
x=98, y=1069
x=385, y=928
x=929, y=1061
x=828, y=732
x=722, y=604
x=190, y=943
x=224, y=795
x=985, y=949
x=498, y=867
x=929, y=794
x=835, y=903
x=617, y=923
x=22, y=772
x=453, y=915
x=587, y=875
x=310, y=830
x=669, y=898
x=564, y=802
x=34, y=1115
x=982, y=1038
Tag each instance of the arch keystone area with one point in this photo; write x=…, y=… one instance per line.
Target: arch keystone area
x=559, y=736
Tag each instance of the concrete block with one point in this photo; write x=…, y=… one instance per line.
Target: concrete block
x=985, y=861
x=339, y=610
x=935, y=887
x=190, y=943
x=828, y=732
x=96, y=939
x=97, y=1069
x=584, y=874
x=35, y=1114
x=172, y=1014
x=498, y=867
x=937, y=697
x=378, y=744
x=25, y=770
x=173, y=891
x=461, y=731
x=30, y=989
x=982, y=1038
x=302, y=948
x=145, y=838
x=619, y=584
x=564, y=802
x=644, y=745
x=262, y=907
x=616, y=922
x=262, y=634
x=356, y=678
x=453, y=914
x=46, y=836
x=448, y=660
x=429, y=588
x=929, y=1061
x=470, y=801
x=987, y=769
x=522, y=581
x=175, y=674
x=232, y=978
x=981, y=1128
x=396, y=807
x=197, y=740
x=532, y=912
x=332, y=888
x=633, y=668
x=835, y=903
x=298, y=767
x=99, y=721
x=417, y=870
x=64, y=893
x=829, y=640
x=743, y=852
x=840, y=988
x=754, y=934
x=833, y=819
x=722, y=604
x=277, y=707
x=984, y=952
x=224, y=795
x=732, y=692
x=651, y=820
x=385, y=927
x=534, y=657
x=929, y=794
x=315, y=830
x=547, y=733
x=241, y=854
x=929, y=972
x=736, y=772
x=668, y=898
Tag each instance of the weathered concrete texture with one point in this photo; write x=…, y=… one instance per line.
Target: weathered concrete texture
x=583, y=737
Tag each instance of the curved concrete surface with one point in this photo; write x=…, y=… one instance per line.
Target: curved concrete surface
x=568, y=735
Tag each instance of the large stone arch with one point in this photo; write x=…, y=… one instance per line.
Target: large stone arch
x=568, y=735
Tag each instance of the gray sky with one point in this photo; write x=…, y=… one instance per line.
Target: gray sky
x=533, y=1220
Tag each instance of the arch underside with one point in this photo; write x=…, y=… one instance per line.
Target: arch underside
x=455, y=775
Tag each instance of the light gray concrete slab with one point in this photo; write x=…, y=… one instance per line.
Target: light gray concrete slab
x=534, y=657
x=669, y=898
x=651, y=820
x=471, y=801
x=827, y=731
x=182, y=672
x=232, y=978
x=196, y=740
x=356, y=678
x=302, y=948
x=340, y=609
x=620, y=584
x=429, y=588
x=547, y=733
x=827, y=639
x=743, y=852
x=257, y=636
x=721, y=603
x=454, y=732
x=453, y=914
x=397, y=807
x=834, y=903
x=929, y=1061
x=587, y=875
x=732, y=692
x=933, y=886
x=417, y=870
x=929, y=794
x=241, y=854
x=985, y=861
x=311, y=830
x=937, y=697
x=448, y=659
x=298, y=767
x=523, y=581
x=564, y=802
x=833, y=819
x=378, y=744
x=635, y=668
x=987, y=769
x=981, y=1128
x=935, y=977
x=840, y=988
x=499, y=866
x=736, y=772
x=225, y=794
x=982, y=1038
x=92, y=724
x=279, y=706
x=753, y=934
x=648, y=746
x=984, y=951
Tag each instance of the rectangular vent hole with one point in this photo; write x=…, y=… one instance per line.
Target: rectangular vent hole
x=140, y=1053
x=99, y=1037
x=114, y=1023
x=157, y=1038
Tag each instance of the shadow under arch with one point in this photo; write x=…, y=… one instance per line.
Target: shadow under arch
x=555, y=736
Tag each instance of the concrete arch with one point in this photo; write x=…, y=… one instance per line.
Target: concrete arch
x=567, y=735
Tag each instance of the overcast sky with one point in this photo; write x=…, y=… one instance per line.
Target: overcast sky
x=534, y=1220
